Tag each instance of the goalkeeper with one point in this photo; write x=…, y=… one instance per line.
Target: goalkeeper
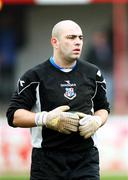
x=63, y=101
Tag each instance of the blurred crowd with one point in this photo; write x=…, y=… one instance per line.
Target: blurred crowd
x=11, y=40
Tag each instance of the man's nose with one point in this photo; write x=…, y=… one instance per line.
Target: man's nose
x=77, y=41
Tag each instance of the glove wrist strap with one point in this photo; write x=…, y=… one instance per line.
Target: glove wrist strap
x=40, y=118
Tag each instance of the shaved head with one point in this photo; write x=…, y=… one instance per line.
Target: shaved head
x=62, y=26
x=67, y=42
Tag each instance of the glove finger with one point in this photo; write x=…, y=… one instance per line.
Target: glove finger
x=70, y=115
x=85, y=120
x=71, y=128
x=73, y=122
x=82, y=133
x=87, y=135
x=65, y=131
x=80, y=114
x=82, y=122
x=84, y=129
x=62, y=108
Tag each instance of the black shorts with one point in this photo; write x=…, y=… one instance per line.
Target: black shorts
x=65, y=166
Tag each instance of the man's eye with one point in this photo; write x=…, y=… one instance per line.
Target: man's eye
x=70, y=37
x=81, y=37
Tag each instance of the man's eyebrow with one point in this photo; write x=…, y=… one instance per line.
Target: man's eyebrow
x=73, y=35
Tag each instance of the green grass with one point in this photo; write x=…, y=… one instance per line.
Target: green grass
x=14, y=178
x=114, y=177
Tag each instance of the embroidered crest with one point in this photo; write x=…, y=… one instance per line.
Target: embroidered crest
x=69, y=89
x=70, y=94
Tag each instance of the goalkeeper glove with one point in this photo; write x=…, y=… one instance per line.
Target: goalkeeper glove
x=89, y=125
x=58, y=119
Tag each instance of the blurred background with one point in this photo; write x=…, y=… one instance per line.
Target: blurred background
x=25, y=31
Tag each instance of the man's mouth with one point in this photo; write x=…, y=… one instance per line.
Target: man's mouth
x=77, y=49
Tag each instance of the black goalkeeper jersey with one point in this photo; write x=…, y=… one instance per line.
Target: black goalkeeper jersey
x=45, y=87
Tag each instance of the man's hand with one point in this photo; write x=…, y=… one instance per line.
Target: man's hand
x=59, y=120
x=88, y=124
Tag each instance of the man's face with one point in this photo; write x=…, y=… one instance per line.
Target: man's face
x=70, y=43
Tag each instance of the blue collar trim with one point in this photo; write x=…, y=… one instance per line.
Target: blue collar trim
x=52, y=61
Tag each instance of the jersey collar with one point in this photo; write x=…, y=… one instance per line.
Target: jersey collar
x=52, y=61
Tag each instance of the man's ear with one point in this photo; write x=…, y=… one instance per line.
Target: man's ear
x=54, y=42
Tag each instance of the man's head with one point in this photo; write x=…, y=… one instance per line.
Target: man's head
x=67, y=40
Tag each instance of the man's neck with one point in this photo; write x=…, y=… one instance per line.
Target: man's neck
x=64, y=63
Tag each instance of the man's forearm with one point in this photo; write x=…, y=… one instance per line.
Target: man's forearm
x=103, y=115
x=24, y=118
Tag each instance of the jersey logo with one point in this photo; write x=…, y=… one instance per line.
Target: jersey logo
x=21, y=83
x=69, y=93
x=69, y=89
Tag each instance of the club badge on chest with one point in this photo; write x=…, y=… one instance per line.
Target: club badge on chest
x=69, y=89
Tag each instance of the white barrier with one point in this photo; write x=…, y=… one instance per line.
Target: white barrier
x=113, y=144
x=15, y=146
